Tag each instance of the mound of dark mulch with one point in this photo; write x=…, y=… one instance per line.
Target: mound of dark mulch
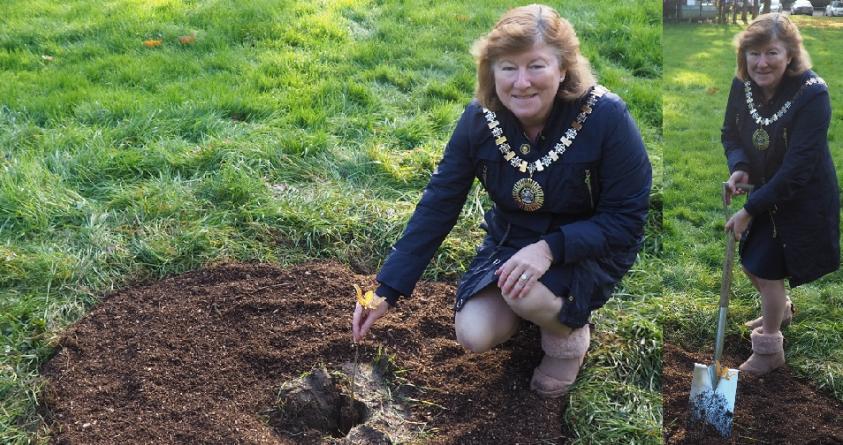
x=200, y=358
x=774, y=409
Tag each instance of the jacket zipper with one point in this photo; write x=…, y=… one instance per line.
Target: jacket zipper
x=588, y=185
x=773, y=220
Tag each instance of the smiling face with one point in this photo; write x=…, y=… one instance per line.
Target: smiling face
x=526, y=83
x=766, y=65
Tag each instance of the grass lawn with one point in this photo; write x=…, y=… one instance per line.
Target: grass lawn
x=278, y=131
x=699, y=67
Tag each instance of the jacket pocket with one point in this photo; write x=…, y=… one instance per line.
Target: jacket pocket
x=496, y=175
x=587, y=181
x=574, y=188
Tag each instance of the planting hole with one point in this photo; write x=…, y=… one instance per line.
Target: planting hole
x=319, y=404
x=352, y=413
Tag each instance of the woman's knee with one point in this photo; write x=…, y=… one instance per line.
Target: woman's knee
x=473, y=339
x=752, y=279
x=482, y=335
x=770, y=288
x=765, y=286
x=484, y=322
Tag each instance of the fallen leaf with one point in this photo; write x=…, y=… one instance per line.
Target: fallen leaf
x=369, y=301
x=187, y=40
x=152, y=43
x=712, y=90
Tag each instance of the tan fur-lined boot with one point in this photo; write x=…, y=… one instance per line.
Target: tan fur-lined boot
x=563, y=357
x=767, y=353
x=789, y=310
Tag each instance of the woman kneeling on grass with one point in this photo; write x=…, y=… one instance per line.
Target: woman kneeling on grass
x=775, y=136
x=566, y=168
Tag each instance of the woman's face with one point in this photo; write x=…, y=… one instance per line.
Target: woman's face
x=766, y=65
x=527, y=82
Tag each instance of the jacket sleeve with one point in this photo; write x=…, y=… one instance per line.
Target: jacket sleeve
x=809, y=134
x=625, y=179
x=730, y=133
x=435, y=214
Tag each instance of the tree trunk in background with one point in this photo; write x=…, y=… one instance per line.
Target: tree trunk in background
x=766, y=6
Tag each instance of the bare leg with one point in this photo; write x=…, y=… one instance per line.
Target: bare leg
x=541, y=307
x=753, y=279
x=485, y=321
x=787, y=308
x=773, y=301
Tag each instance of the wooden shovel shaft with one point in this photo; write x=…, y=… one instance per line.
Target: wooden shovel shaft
x=725, y=289
x=728, y=263
x=726, y=283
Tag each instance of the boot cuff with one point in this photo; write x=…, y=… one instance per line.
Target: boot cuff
x=574, y=345
x=766, y=343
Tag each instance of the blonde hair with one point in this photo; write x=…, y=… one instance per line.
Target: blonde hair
x=763, y=30
x=520, y=29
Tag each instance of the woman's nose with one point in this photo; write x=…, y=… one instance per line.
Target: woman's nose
x=522, y=80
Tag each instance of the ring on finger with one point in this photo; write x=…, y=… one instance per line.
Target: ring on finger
x=524, y=277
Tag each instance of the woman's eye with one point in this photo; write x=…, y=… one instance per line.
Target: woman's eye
x=536, y=67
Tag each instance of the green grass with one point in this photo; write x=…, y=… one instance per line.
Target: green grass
x=289, y=131
x=699, y=66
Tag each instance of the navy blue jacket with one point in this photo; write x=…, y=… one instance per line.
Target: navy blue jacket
x=596, y=198
x=795, y=180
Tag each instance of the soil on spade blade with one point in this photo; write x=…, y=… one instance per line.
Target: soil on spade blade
x=200, y=358
x=774, y=409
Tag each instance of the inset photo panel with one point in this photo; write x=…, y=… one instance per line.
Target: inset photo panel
x=753, y=137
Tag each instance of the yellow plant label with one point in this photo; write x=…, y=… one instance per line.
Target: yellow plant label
x=722, y=371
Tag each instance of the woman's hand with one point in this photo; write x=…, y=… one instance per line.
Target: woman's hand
x=738, y=177
x=738, y=223
x=518, y=274
x=363, y=319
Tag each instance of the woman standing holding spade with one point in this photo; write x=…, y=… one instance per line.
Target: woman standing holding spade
x=564, y=163
x=775, y=135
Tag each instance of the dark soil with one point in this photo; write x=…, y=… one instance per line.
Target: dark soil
x=774, y=409
x=200, y=358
